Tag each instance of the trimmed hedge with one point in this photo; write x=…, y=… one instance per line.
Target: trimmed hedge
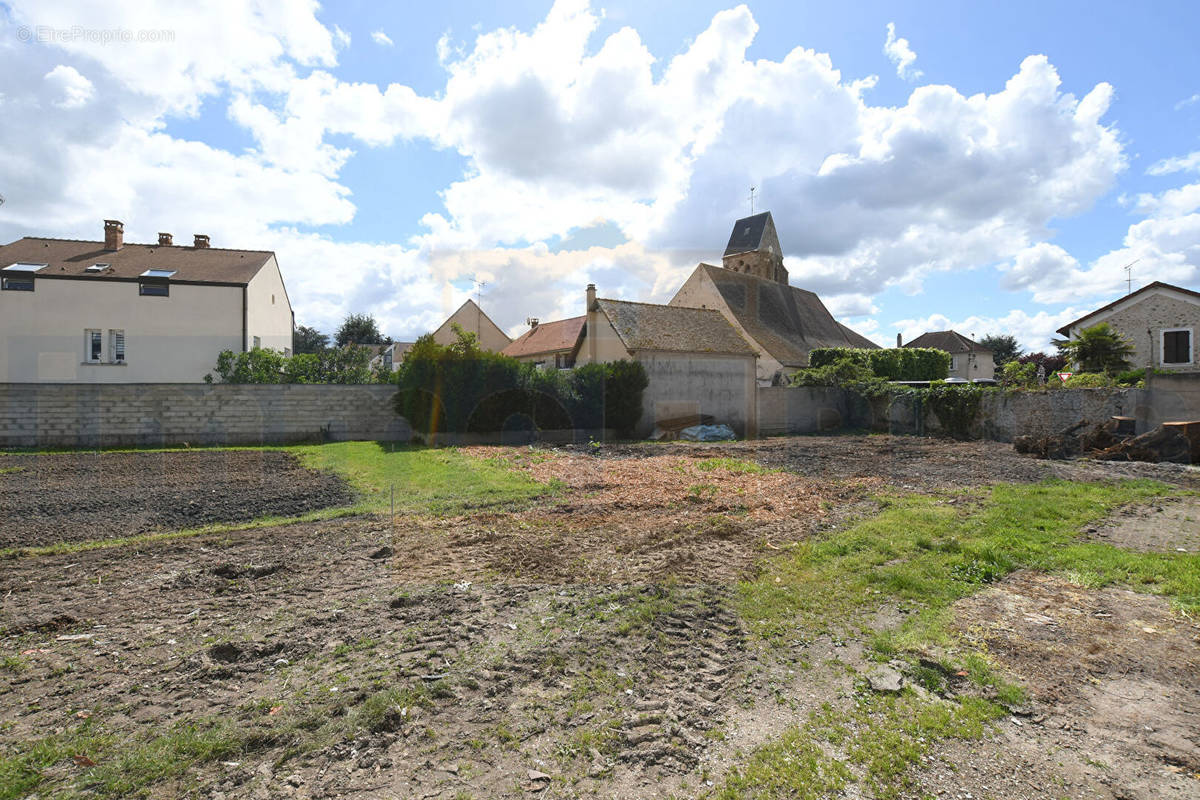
x=463, y=389
x=262, y=365
x=891, y=364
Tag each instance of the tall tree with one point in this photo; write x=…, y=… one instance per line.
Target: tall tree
x=310, y=340
x=359, y=329
x=1099, y=348
x=1004, y=348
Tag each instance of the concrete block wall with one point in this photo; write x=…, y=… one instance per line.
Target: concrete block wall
x=115, y=415
x=802, y=409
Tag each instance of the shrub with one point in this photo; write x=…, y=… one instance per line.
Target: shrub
x=1016, y=375
x=892, y=364
x=842, y=372
x=260, y=365
x=461, y=388
x=1089, y=380
x=1099, y=348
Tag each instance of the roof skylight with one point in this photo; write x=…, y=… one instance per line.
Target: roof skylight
x=22, y=266
x=158, y=273
x=97, y=268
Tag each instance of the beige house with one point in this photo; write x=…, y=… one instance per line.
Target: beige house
x=472, y=319
x=696, y=361
x=111, y=312
x=552, y=345
x=782, y=322
x=1159, y=320
x=969, y=360
x=390, y=355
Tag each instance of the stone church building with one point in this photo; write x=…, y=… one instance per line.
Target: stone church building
x=783, y=323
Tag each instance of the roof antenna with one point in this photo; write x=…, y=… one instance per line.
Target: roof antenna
x=1129, y=276
x=478, y=305
x=752, y=200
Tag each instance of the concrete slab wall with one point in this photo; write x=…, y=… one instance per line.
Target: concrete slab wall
x=802, y=409
x=723, y=386
x=113, y=415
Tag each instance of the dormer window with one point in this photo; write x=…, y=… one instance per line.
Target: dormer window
x=18, y=277
x=155, y=282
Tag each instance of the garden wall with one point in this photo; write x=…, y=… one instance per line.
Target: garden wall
x=113, y=415
x=1002, y=415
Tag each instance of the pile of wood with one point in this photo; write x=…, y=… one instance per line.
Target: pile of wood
x=1114, y=440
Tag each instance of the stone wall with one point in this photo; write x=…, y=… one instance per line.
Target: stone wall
x=1002, y=415
x=113, y=415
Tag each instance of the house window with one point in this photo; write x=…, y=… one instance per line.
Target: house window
x=953, y=362
x=93, y=343
x=18, y=277
x=257, y=342
x=116, y=346
x=155, y=282
x=1177, y=346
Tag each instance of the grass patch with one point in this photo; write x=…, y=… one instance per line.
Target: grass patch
x=11, y=470
x=927, y=552
x=426, y=480
x=731, y=465
x=877, y=741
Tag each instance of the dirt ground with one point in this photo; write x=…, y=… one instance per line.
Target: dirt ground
x=591, y=640
x=47, y=498
x=1169, y=525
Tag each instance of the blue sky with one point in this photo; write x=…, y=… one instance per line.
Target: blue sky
x=986, y=166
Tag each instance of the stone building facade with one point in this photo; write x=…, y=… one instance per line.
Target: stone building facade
x=1159, y=320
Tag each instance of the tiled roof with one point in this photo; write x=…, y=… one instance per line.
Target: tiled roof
x=644, y=326
x=786, y=321
x=1065, y=330
x=747, y=233
x=950, y=341
x=72, y=257
x=547, y=337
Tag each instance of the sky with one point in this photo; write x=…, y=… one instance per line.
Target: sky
x=990, y=167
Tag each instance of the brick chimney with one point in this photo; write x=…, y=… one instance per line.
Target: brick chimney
x=201, y=241
x=164, y=240
x=899, y=341
x=593, y=318
x=114, y=234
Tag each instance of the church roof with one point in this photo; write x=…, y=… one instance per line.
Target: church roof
x=645, y=326
x=747, y=233
x=786, y=321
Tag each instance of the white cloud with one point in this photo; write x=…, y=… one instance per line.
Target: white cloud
x=381, y=38
x=1167, y=166
x=900, y=54
x=557, y=130
x=1189, y=101
x=74, y=89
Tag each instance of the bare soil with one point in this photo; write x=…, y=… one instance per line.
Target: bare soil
x=1168, y=525
x=592, y=638
x=1114, y=701
x=47, y=498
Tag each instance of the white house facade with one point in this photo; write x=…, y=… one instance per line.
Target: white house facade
x=108, y=312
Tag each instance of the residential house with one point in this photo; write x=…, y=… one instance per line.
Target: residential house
x=783, y=323
x=112, y=312
x=1159, y=320
x=552, y=345
x=969, y=360
x=696, y=361
x=472, y=319
x=390, y=355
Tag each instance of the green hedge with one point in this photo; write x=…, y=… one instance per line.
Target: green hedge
x=261, y=365
x=460, y=388
x=892, y=364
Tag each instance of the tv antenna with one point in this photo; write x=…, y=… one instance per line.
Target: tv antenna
x=1129, y=275
x=479, y=305
x=752, y=188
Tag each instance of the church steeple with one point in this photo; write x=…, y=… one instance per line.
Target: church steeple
x=754, y=249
